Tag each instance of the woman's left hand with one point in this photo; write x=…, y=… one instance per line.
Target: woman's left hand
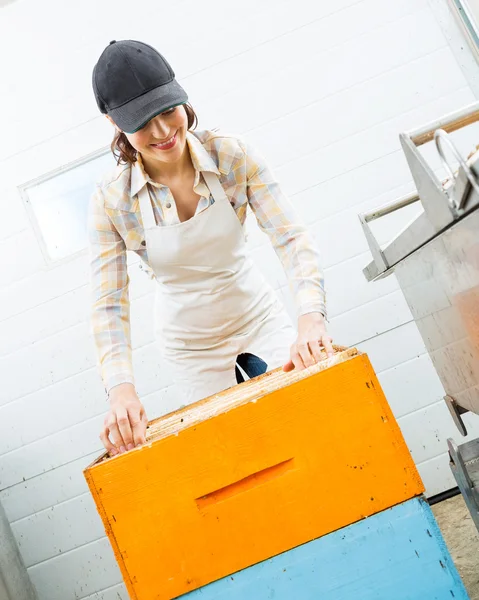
x=312, y=335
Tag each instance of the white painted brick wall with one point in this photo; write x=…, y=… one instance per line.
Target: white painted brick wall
x=323, y=90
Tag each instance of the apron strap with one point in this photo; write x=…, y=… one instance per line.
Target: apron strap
x=213, y=183
x=146, y=208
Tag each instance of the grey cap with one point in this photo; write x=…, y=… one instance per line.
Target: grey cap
x=133, y=83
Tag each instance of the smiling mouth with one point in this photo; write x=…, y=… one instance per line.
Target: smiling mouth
x=166, y=145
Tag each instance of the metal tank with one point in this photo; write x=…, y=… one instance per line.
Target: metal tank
x=436, y=262
x=15, y=583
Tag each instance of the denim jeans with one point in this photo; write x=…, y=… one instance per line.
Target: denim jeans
x=252, y=365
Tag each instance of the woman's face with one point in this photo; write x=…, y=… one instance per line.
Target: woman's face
x=164, y=137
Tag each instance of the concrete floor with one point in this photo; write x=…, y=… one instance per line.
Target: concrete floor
x=462, y=539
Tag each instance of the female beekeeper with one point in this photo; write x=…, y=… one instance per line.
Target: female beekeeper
x=179, y=200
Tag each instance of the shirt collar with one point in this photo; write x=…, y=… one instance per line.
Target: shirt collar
x=139, y=177
x=200, y=158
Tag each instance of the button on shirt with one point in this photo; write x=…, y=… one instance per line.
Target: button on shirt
x=115, y=226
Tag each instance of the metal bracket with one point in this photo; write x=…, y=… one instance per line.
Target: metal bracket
x=442, y=203
x=434, y=199
x=438, y=203
x=464, y=463
x=365, y=218
x=373, y=244
x=456, y=411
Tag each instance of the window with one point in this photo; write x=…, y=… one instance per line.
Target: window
x=467, y=12
x=58, y=204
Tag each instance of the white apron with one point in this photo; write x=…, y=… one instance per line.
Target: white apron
x=212, y=301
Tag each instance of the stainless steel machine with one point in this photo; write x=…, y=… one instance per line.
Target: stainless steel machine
x=15, y=583
x=436, y=261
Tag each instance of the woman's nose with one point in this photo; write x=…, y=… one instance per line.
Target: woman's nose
x=159, y=129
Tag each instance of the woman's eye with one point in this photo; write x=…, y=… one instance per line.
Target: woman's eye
x=169, y=112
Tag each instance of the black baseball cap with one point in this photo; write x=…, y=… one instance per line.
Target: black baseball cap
x=133, y=83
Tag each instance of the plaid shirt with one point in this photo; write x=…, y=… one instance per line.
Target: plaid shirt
x=115, y=226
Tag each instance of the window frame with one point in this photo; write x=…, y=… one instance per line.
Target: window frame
x=468, y=23
x=22, y=189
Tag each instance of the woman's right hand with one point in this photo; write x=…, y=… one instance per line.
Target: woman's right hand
x=125, y=424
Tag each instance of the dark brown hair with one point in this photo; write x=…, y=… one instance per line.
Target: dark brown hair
x=124, y=152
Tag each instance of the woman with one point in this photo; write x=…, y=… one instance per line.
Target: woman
x=179, y=200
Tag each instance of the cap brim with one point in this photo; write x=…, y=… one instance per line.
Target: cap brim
x=135, y=114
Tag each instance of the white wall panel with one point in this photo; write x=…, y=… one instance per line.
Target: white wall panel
x=44, y=320
x=61, y=528
x=21, y=257
x=11, y=204
x=291, y=87
x=411, y=385
x=116, y=592
x=435, y=470
x=427, y=436
x=370, y=320
x=50, y=452
x=354, y=185
x=51, y=360
x=43, y=286
x=364, y=147
x=293, y=48
x=77, y=574
x=52, y=409
x=347, y=287
x=46, y=490
x=393, y=347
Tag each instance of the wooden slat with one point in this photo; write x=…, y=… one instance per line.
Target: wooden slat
x=250, y=473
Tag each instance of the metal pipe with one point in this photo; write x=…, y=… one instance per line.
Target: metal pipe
x=382, y=211
x=450, y=122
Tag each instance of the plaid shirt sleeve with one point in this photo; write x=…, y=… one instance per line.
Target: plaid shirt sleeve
x=110, y=302
x=292, y=242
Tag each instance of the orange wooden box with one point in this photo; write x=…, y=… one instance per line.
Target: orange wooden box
x=252, y=472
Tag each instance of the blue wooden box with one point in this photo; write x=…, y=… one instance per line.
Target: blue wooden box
x=397, y=554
